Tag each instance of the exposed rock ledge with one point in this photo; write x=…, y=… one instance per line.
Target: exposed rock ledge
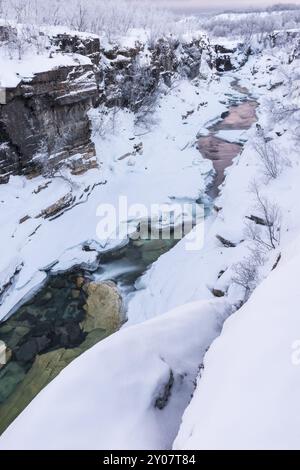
x=47, y=117
x=103, y=317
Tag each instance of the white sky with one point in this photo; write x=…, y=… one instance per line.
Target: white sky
x=223, y=4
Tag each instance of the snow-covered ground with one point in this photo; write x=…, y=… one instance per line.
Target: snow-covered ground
x=169, y=167
x=247, y=394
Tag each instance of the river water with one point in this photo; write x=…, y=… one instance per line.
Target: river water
x=45, y=334
x=239, y=117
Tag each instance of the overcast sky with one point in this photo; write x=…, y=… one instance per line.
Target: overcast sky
x=191, y=5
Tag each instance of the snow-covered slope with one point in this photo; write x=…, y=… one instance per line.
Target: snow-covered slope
x=128, y=392
x=248, y=394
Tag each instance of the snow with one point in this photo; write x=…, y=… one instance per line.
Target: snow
x=106, y=399
x=254, y=365
x=169, y=168
x=246, y=397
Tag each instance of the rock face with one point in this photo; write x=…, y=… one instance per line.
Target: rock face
x=47, y=116
x=44, y=369
x=6, y=32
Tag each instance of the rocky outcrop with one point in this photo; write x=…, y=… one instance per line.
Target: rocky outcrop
x=191, y=57
x=69, y=316
x=225, y=242
x=103, y=307
x=45, y=121
x=60, y=205
x=165, y=394
x=124, y=81
x=88, y=46
x=129, y=77
x=7, y=281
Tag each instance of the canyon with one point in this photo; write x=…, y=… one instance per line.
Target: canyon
x=135, y=327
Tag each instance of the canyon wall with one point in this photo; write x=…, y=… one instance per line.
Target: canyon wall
x=44, y=120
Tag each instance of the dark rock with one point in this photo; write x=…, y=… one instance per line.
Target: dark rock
x=257, y=220
x=58, y=282
x=7, y=33
x=42, y=328
x=27, y=352
x=59, y=206
x=221, y=273
x=277, y=262
x=163, y=398
x=24, y=219
x=42, y=343
x=69, y=335
x=223, y=63
x=220, y=49
x=9, y=283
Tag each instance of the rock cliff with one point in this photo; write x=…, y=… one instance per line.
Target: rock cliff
x=44, y=119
